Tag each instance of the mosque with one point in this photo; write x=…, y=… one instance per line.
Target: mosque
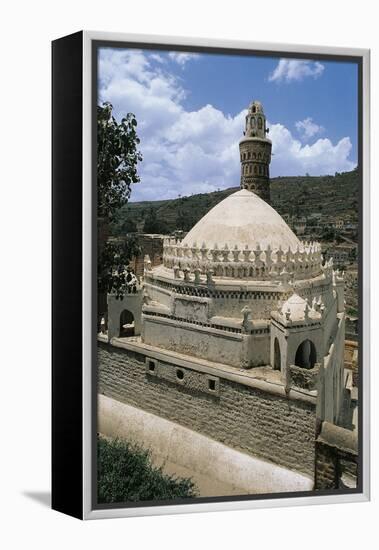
x=239, y=333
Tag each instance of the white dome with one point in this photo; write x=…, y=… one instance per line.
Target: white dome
x=242, y=219
x=295, y=306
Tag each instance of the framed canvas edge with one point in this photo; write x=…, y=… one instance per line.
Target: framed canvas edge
x=364, y=54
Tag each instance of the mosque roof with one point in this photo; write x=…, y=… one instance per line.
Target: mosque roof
x=242, y=219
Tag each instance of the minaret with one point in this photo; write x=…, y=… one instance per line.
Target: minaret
x=255, y=153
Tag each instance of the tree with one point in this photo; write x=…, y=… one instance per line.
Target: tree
x=328, y=234
x=122, y=224
x=153, y=224
x=115, y=256
x=117, y=159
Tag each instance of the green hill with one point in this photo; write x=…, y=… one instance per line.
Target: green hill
x=332, y=196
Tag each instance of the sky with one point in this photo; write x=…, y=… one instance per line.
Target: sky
x=191, y=107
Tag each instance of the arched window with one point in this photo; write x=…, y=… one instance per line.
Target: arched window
x=126, y=323
x=254, y=108
x=259, y=156
x=306, y=355
x=254, y=156
x=277, y=358
x=260, y=123
x=255, y=169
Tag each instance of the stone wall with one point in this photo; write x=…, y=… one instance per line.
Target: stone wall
x=331, y=393
x=247, y=419
x=336, y=458
x=151, y=245
x=210, y=344
x=216, y=470
x=226, y=302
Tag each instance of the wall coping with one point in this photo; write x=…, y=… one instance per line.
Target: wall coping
x=233, y=374
x=338, y=437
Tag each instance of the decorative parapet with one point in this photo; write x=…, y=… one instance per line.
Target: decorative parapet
x=244, y=263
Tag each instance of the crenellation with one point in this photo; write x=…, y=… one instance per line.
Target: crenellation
x=243, y=263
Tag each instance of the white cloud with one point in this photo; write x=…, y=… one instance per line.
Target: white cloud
x=196, y=151
x=157, y=57
x=319, y=158
x=182, y=57
x=289, y=70
x=307, y=128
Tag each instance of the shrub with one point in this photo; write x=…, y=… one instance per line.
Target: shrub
x=126, y=473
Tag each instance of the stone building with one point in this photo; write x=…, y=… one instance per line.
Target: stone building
x=343, y=254
x=241, y=333
x=151, y=244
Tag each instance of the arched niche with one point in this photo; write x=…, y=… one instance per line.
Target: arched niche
x=306, y=355
x=277, y=356
x=126, y=324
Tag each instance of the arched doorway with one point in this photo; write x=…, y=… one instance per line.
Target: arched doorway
x=126, y=324
x=277, y=358
x=306, y=355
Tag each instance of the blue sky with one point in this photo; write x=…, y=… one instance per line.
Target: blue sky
x=190, y=110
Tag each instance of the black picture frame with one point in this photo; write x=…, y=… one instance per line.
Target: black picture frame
x=73, y=432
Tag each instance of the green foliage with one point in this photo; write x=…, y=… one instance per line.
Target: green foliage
x=329, y=234
x=122, y=226
x=125, y=473
x=153, y=224
x=113, y=258
x=296, y=196
x=332, y=195
x=117, y=158
x=352, y=312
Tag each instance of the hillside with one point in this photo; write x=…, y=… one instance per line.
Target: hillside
x=332, y=196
